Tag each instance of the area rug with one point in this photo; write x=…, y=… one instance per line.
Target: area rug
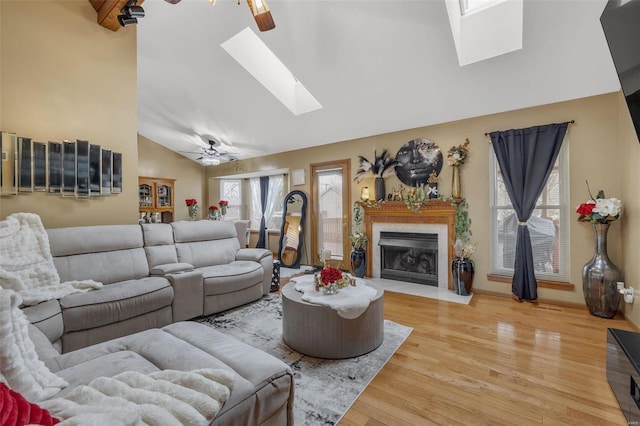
x=324, y=389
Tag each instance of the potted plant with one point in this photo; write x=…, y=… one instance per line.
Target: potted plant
x=358, y=243
x=381, y=167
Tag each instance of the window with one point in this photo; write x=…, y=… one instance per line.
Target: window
x=231, y=190
x=273, y=211
x=548, y=225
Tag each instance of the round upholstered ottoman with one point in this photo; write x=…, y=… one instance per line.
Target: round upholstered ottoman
x=319, y=331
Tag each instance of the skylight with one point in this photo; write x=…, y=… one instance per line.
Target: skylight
x=251, y=52
x=483, y=29
x=470, y=6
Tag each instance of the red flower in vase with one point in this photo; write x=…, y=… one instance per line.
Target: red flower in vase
x=191, y=202
x=223, y=203
x=330, y=275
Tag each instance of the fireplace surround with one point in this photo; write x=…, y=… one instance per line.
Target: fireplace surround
x=436, y=216
x=409, y=256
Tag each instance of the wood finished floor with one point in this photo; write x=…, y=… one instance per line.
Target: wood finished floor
x=493, y=362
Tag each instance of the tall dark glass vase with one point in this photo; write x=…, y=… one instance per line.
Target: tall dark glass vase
x=380, y=189
x=358, y=262
x=600, y=277
x=462, y=270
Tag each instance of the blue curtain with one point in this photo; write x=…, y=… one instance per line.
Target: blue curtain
x=264, y=194
x=526, y=158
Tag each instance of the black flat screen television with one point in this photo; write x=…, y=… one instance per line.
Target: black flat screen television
x=621, y=25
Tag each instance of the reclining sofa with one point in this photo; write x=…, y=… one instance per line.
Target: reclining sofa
x=156, y=276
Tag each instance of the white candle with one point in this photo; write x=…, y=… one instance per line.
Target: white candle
x=326, y=254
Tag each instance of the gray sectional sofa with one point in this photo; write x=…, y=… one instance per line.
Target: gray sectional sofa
x=156, y=276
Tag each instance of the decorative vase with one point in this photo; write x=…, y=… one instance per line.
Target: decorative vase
x=379, y=189
x=462, y=269
x=600, y=277
x=330, y=289
x=358, y=262
x=456, y=189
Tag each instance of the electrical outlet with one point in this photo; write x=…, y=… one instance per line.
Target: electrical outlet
x=620, y=285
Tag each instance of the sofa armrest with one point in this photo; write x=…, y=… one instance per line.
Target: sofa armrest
x=265, y=258
x=255, y=254
x=188, y=295
x=170, y=268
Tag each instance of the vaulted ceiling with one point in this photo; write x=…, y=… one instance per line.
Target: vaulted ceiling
x=375, y=67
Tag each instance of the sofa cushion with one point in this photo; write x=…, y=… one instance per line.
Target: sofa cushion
x=115, y=302
x=157, y=349
x=93, y=239
x=47, y=316
x=158, y=244
x=205, y=242
x=203, y=230
x=237, y=275
x=107, y=365
x=107, y=267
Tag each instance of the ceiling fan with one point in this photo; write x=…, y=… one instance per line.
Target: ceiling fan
x=211, y=155
x=259, y=10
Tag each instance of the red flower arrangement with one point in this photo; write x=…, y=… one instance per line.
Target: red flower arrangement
x=330, y=275
x=191, y=202
x=223, y=203
x=585, y=209
x=213, y=208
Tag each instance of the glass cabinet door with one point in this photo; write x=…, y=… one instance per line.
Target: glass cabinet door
x=144, y=195
x=164, y=196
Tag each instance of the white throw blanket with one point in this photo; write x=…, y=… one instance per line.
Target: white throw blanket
x=20, y=367
x=26, y=264
x=350, y=302
x=167, y=397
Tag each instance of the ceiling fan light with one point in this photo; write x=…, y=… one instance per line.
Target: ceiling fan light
x=210, y=161
x=262, y=14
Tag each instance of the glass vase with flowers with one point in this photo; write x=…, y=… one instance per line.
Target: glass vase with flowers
x=600, y=275
x=223, y=207
x=213, y=212
x=331, y=279
x=192, y=208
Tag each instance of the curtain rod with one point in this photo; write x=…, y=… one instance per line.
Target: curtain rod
x=570, y=122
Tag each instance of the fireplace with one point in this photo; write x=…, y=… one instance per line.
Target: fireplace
x=436, y=217
x=409, y=256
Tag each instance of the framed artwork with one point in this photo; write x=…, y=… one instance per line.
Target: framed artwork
x=39, y=166
x=417, y=160
x=105, y=181
x=55, y=166
x=95, y=170
x=116, y=187
x=25, y=165
x=82, y=168
x=9, y=164
x=297, y=177
x=68, y=168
